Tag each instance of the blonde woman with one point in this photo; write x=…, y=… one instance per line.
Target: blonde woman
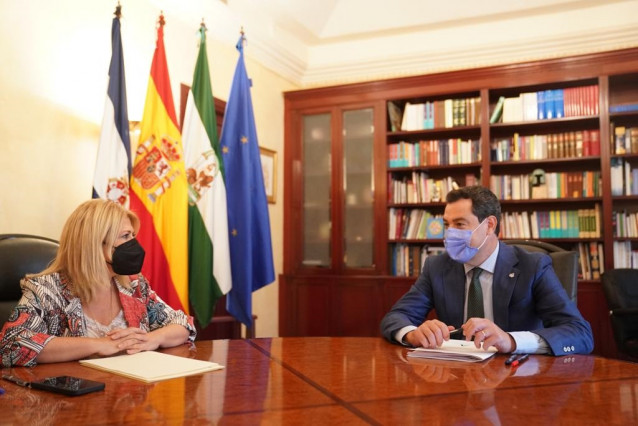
x=92, y=299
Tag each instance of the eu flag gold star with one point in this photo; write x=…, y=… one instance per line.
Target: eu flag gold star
x=234, y=232
x=225, y=150
x=244, y=139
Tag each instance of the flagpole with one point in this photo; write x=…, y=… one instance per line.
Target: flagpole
x=244, y=41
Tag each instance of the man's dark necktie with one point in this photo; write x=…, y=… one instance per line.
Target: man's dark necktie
x=475, y=296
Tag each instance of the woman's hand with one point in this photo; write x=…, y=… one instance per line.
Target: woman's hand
x=131, y=340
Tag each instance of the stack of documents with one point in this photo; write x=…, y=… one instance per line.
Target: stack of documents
x=151, y=366
x=455, y=350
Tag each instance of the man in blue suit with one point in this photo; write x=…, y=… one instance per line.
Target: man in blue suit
x=502, y=296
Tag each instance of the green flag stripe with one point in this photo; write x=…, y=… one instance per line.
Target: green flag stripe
x=202, y=297
x=203, y=96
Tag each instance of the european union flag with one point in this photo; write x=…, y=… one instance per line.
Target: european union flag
x=248, y=222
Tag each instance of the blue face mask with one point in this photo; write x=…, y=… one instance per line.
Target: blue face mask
x=457, y=243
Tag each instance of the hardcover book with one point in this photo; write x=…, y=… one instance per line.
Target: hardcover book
x=435, y=228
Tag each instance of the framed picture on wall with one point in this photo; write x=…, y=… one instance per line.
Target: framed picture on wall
x=269, y=168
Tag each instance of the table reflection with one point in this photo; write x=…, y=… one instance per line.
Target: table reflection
x=339, y=381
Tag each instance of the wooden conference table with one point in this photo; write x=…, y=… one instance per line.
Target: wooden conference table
x=338, y=381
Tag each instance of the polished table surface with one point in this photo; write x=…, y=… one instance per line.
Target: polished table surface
x=315, y=380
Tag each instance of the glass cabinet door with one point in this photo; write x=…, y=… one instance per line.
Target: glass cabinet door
x=358, y=188
x=317, y=170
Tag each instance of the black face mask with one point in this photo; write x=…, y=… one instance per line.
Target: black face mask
x=128, y=258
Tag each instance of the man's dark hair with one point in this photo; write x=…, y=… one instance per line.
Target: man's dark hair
x=484, y=202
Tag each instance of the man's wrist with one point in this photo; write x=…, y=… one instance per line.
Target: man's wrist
x=400, y=334
x=404, y=340
x=512, y=343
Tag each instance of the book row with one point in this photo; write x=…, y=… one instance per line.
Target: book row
x=624, y=255
x=585, y=143
x=546, y=185
x=581, y=223
x=435, y=114
x=418, y=224
x=433, y=153
x=547, y=105
x=591, y=260
x=625, y=224
x=407, y=259
x=418, y=187
x=415, y=224
x=624, y=177
x=625, y=140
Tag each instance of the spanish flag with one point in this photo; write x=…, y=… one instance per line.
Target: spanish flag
x=159, y=193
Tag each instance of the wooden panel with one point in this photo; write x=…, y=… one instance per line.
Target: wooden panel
x=313, y=308
x=394, y=289
x=593, y=306
x=357, y=303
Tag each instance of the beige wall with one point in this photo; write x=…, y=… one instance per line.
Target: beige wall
x=55, y=58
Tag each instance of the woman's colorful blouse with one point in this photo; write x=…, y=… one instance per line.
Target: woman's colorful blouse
x=48, y=309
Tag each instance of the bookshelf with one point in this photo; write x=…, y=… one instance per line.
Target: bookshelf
x=502, y=127
x=623, y=137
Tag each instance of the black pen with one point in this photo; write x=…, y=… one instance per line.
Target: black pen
x=511, y=359
x=16, y=381
x=519, y=361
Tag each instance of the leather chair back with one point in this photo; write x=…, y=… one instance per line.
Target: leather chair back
x=565, y=263
x=621, y=291
x=21, y=254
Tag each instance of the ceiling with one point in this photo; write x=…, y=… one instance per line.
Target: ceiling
x=320, y=42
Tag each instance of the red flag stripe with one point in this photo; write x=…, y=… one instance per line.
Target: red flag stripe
x=159, y=73
x=158, y=273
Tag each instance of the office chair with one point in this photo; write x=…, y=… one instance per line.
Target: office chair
x=21, y=254
x=565, y=263
x=621, y=291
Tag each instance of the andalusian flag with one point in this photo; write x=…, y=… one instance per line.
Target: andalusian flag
x=249, y=225
x=208, y=251
x=113, y=165
x=159, y=192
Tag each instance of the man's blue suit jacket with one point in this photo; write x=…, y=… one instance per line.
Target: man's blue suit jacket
x=527, y=296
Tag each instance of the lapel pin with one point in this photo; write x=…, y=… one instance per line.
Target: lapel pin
x=511, y=274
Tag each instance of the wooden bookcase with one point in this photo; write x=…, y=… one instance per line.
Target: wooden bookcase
x=340, y=300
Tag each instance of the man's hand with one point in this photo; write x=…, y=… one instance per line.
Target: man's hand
x=489, y=334
x=431, y=334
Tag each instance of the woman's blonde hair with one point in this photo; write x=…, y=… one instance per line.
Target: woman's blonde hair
x=85, y=245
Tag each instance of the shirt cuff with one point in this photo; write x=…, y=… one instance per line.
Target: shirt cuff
x=529, y=343
x=399, y=335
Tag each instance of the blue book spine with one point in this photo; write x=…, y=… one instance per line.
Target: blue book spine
x=559, y=105
x=624, y=108
x=550, y=112
x=540, y=105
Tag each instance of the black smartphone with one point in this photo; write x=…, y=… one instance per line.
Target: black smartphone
x=68, y=385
